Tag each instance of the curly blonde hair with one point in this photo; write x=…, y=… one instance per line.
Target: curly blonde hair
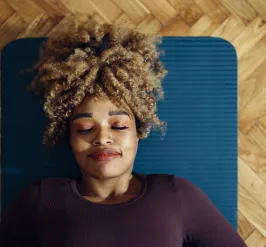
x=128, y=72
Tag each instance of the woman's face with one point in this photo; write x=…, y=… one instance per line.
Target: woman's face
x=98, y=126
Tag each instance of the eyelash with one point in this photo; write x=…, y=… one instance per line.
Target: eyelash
x=88, y=130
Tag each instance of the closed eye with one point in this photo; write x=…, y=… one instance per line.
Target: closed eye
x=117, y=128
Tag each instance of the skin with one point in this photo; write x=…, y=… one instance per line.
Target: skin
x=112, y=181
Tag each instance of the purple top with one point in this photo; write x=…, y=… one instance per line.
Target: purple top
x=170, y=212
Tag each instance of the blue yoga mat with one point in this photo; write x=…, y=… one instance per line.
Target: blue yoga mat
x=200, y=107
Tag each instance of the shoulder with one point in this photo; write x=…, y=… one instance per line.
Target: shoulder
x=54, y=181
x=188, y=192
x=37, y=186
x=179, y=182
x=184, y=185
x=180, y=185
x=183, y=189
x=47, y=184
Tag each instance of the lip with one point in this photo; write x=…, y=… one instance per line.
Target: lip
x=104, y=157
x=105, y=151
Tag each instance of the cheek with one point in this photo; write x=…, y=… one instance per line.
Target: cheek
x=129, y=144
x=78, y=144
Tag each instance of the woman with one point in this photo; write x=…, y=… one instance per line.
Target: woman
x=100, y=85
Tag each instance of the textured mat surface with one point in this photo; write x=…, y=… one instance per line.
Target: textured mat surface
x=200, y=108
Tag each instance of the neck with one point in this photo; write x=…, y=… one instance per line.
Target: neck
x=108, y=188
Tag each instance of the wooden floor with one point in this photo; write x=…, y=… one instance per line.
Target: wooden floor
x=242, y=22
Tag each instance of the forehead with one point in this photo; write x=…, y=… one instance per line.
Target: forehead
x=100, y=106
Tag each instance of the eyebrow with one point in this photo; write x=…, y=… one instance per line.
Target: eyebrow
x=89, y=115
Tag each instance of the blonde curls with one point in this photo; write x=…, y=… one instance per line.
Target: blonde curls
x=129, y=73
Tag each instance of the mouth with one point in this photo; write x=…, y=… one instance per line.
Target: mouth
x=104, y=157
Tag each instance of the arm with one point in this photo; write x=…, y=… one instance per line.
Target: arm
x=19, y=224
x=203, y=223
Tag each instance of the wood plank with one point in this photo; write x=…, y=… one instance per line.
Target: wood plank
x=244, y=226
x=150, y=25
x=189, y=14
x=135, y=10
x=188, y=10
x=251, y=209
x=259, y=6
x=249, y=179
x=256, y=239
x=229, y=29
x=11, y=29
x=203, y=27
x=254, y=110
x=175, y=27
x=241, y=10
x=59, y=27
x=107, y=9
x=161, y=9
x=6, y=11
x=215, y=11
x=252, y=34
x=177, y=3
x=252, y=155
x=26, y=9
x=40, y=27
x=81, y=6
x=262, y=122
x=251, y=60
x=55, y=9
x=252, y=86
x=124, y=20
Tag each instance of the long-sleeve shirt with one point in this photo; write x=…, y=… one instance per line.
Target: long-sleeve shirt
x=170, y=211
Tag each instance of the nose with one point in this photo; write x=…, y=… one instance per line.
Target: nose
x=102, y=137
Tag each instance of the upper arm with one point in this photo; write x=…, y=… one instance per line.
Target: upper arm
x=203, y=223
x=19, y=224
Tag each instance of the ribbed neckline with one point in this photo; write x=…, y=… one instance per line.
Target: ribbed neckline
x=142, y=177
